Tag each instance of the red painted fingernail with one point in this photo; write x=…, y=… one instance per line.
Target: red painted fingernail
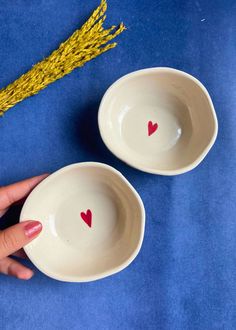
x=33, y=228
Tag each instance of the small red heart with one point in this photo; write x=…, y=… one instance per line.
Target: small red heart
x=152, y=127
x=87, y=217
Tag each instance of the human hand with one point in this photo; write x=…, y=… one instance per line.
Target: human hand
x=15, y=237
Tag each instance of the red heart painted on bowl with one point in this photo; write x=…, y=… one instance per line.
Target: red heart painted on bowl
x=87, y=217
x=152, y=127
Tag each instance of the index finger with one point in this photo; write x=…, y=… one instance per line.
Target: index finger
x=16, y=191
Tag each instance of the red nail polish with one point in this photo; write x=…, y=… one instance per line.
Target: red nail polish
x=33, y=228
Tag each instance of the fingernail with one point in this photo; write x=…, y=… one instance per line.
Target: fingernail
x=33, y=228
x=25, y=274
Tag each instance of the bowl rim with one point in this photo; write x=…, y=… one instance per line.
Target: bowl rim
x=104, y=274
x=119, y=155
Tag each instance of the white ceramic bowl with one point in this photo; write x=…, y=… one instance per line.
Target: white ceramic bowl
x=93, y=223
x=158, y=120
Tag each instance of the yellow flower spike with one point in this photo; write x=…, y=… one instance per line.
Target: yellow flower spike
x=83, y=45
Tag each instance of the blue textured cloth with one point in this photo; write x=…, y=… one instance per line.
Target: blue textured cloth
x=185, y=274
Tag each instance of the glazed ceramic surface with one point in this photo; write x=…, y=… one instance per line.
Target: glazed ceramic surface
x=93, y=222
x=159, y=120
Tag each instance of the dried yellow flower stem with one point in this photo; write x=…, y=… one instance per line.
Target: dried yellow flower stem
x=84, y=44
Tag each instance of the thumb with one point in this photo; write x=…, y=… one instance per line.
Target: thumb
x=15, y=237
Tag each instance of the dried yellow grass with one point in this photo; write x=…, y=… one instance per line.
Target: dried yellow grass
x=84, y=44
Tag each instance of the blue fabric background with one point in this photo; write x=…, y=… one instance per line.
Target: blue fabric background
x=185, y=274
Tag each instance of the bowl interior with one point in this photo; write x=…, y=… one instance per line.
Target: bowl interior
x=157, y=119
x=92, y=220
